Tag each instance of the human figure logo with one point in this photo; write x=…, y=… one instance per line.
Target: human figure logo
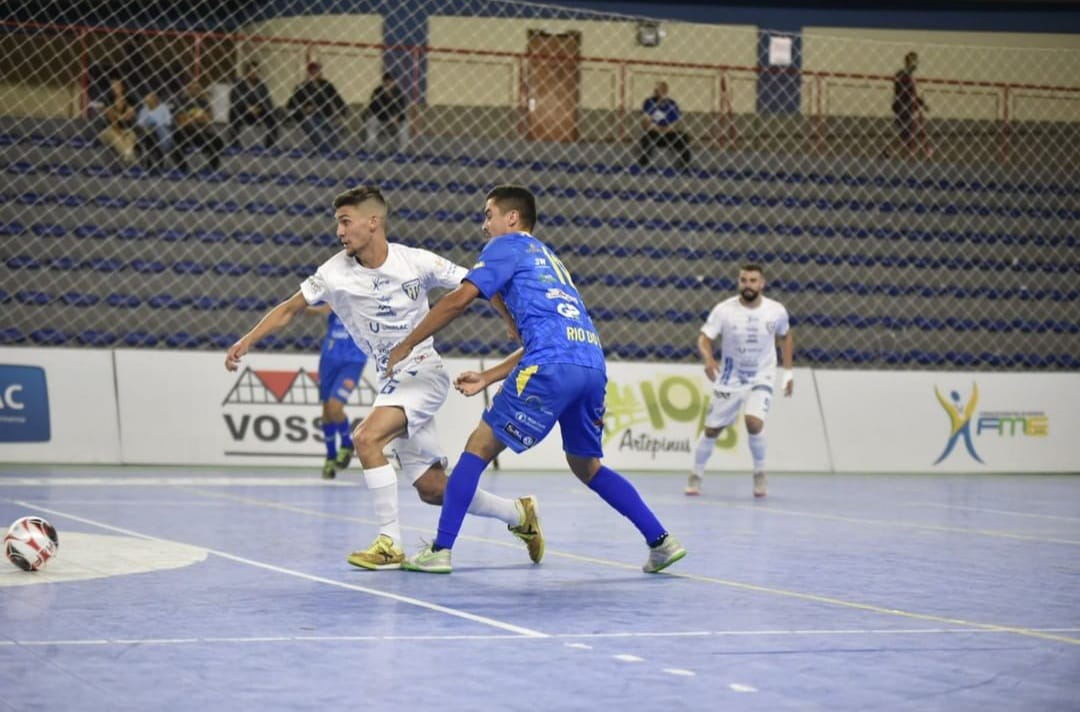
x=960, y=420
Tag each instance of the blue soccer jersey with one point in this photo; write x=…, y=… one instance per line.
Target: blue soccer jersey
x=338, y=344
x=549, y=313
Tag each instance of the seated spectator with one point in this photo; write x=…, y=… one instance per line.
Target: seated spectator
x=249, y=103
x=119, y=116
x=385, y=115
x=195, y=127
x=661, y=123
x=318, y=108
x=154, y=126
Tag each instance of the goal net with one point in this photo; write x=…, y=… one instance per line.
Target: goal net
x=910, y=214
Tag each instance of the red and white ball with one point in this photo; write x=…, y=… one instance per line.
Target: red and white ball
x=30, y=542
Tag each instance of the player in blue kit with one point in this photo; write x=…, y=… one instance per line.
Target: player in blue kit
x=340, y=365
x=559, y=376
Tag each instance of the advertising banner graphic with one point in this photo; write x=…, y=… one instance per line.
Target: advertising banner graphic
x=266, y=413
x=58, y=405
x=952, y=421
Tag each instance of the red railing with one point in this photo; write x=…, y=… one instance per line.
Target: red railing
x=724, y=129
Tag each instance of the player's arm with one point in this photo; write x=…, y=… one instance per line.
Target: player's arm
x=705, y=348
x=274, y=320
x=447, y=309
x=317, y=310
x=787, y=348
x=511, y=326
x=470, y=383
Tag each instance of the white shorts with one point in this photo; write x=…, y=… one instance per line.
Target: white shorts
x=724, y=406
x=420, y=395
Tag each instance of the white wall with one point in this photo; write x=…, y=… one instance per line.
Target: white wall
x=183, y=408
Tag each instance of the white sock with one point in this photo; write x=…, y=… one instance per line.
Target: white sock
x=702, y=453
x=757, y=451
x=485, y=504
x=382, y=483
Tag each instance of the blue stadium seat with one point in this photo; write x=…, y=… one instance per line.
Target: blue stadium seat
x=92, y=337
x=63, y=263
x=188, y=267
x=48, y=337
x=166, y=301
x=207, y=303
x=148, y=266
x=251, y=304
x=140, y=338
x=123, y=301
x=231, y=269
x=222, y=341
x=11, y=335
x=22, y=262
x=271, y=270
x=48, y=230
x=184, y=340
x=32, y=297
x=78, y=299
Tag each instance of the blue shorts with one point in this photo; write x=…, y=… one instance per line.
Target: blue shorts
x=534, y=398
x=337, y=379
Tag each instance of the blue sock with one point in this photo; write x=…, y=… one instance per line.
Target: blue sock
x=618, y=492
x=344, y=431
x=460, y=489
x=330, y=436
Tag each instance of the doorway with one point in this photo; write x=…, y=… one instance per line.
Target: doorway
x=553, y=85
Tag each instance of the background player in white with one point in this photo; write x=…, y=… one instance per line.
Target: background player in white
x=380, y=291
x=749, y=327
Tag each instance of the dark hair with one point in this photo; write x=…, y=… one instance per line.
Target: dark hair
x=388, y=75
x=358, y=195
x=515, y=197
x=250, y=67
x=752, y=267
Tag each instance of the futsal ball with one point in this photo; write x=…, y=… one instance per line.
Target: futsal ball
x=30, y=542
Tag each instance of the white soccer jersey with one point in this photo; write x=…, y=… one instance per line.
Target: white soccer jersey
x=747, y=340
x=381, y=306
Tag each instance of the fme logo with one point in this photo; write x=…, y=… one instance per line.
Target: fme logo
x=1005, y=423
x=24, y=405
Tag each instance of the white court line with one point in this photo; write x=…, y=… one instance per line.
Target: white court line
x=515, y=637
x=173, y=481
x=939, y=505
x=483, y=620
x=680, y=672
x=736, y=687
x=623, y=657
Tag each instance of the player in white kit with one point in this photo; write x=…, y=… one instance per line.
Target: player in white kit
x=380, y=291
x=749, y=327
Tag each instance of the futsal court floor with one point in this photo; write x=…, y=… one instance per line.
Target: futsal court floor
x=200, y=589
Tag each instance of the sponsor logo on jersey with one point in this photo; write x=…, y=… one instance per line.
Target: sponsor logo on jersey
x=411, y=288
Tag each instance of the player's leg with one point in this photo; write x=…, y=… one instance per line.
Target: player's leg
x=581, y=423
x=723, y=409
x=382, y=425
x=757, y=409
x=514, y=420
x=422, y=463
x=342, y=382
x=327, y=375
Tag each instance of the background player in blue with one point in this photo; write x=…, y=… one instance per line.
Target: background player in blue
x=558, y=376
x=340, y=364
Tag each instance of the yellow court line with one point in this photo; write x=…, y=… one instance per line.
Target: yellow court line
x=814, y=598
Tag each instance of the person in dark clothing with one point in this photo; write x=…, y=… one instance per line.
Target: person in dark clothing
x=249, y=103
x=908, y=106
x=318, y=108
x=386, y=115
x=195, y=127
x=661, y=119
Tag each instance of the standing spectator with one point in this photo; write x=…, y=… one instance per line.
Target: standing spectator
x=195, y=127
x=318, y=108
x=907, y=106
x=661, y=121
x=750, y=326
x=155, y=131
x=118, y=133
x=249, y=103
x=386, y=115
